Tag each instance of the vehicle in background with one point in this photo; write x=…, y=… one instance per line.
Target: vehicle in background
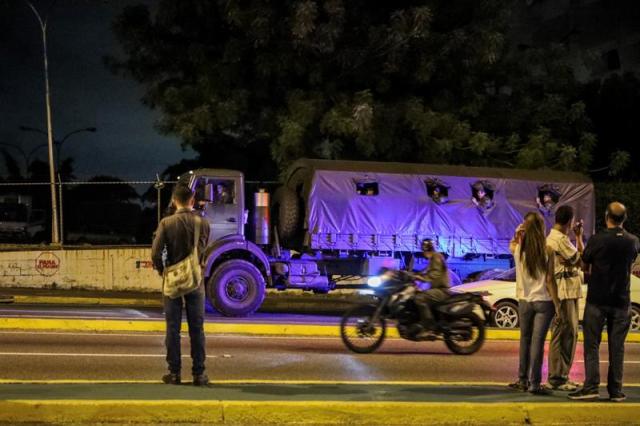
x=99, y=235
x=332, y=221
x=102, y=222
x=19, y=221
x=500, y=292
x=482, y=275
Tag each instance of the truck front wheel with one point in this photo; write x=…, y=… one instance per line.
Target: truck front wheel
x=236, y=288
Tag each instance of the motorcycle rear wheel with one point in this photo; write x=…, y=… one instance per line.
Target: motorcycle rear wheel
x=358, y=333
x=471, y=346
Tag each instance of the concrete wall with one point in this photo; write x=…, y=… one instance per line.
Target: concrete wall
x=124, y=268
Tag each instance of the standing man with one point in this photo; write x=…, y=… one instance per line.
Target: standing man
x=568, y=276
x=610, y=254
x=175, y=234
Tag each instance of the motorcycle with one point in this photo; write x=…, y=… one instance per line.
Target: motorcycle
x=364, y=328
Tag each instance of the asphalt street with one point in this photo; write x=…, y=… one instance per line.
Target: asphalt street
x=140, y=357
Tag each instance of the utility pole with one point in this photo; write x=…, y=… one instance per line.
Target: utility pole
x=55, y=235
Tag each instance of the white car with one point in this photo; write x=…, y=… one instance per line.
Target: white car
x=500, y=292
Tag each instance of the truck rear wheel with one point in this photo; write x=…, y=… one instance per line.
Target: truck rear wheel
x=236, y=288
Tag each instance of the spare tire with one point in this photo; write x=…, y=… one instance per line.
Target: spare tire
x=288, y=214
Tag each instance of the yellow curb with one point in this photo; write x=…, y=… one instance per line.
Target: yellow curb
x=79, y=324
x=265, y=382
x=220, y=328
x=102, y=301
x=314, y=412
x=150, y=325
x=261, y=382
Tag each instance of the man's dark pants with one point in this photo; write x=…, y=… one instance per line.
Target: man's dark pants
x=194, y=304
x=535, y=318
x=618, y=322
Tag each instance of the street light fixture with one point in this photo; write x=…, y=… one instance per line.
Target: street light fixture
x=58, y=143
x=26, y=156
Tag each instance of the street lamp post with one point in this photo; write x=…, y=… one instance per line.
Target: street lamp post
x=55, y=235
x=26, y=156
x=58, y=145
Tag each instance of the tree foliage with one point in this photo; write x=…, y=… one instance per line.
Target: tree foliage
x=430, y=81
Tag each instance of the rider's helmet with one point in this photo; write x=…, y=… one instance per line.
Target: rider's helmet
x=427, y=245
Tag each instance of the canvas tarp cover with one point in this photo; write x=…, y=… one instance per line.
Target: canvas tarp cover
x=402, y=213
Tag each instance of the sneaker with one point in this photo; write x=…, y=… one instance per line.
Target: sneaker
x=519, y=386
x=171, y=379
x=200, y=380
x=617, y=397
x=541, y=391
x=567, y=386
x=583, y=394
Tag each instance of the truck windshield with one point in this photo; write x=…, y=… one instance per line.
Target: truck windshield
x=13, y=212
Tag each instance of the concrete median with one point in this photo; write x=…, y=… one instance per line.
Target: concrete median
x=301, y=404
x=294, y=301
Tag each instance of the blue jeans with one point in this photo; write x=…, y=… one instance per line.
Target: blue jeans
x=194, y=304
x=535, y=318
x=618, y=323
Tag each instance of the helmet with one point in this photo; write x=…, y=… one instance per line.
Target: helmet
x=427, y=245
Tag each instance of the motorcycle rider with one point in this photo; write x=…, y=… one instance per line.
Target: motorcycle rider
x=437, y=274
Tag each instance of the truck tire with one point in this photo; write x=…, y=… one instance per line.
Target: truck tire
x=288, y=213
x=236, y=288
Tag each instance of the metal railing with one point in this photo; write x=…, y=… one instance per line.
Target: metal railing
x=90, y=212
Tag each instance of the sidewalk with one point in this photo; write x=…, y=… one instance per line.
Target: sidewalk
x=300, y=403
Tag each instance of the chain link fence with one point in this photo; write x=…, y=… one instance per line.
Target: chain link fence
x=97, y=212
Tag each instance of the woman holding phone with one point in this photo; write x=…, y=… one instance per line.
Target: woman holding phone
x=537, y=299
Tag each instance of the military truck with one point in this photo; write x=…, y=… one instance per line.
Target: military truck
x=335, y=220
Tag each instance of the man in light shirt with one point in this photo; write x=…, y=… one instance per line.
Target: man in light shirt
x=569, y=277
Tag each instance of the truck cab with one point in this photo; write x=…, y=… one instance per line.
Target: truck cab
x=237, y=270
x=220, y=200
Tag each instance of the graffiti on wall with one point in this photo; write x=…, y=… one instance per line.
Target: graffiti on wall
x=47, y=264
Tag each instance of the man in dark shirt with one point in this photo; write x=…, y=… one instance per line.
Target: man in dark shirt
x=174, y=237
x=610, y=254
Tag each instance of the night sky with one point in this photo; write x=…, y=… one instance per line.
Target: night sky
x=84, y=92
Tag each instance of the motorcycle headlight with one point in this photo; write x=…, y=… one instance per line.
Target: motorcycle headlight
x=374, y=282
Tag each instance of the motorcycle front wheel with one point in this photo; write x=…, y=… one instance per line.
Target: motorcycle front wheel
x=466, y=336
x=359, y=333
